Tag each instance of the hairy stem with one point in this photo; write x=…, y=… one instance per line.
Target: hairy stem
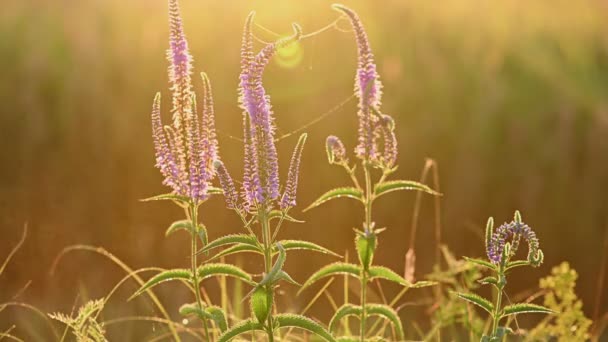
x=194, y=258
x=496, y=316
x=368, y=226
x=263, y=218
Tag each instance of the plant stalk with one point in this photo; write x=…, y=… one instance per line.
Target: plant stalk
x=368, y=226
x=194, y=258
x=263, y=218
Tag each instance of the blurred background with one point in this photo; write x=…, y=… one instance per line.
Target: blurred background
x=509, y=98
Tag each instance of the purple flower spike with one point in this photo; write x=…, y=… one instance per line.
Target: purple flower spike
x=336, y=153
x=368, y=88
x=180, y=69
x=261, y=181
x=515, y=230
x=386, y=125
x=186, y=149
x=288, y=200
x=227, y=183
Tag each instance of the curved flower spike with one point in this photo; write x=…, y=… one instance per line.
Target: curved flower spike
x=368, y=88
x=336, y=154
x=515, y=230
x=261, y=176
x=227, y=184
x=288, y=200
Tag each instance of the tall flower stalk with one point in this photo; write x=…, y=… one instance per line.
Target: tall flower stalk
x=186, y=151
x=377, y=153
x=502, y=244
x=262, y=203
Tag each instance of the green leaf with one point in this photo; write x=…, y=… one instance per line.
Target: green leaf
x=240, y=328
x=501, y=332
x=477, y=300
x=344, y=311
x=388, y=274
x=238, y=248
x=286, y=277
x=517, y=263
x=353, y=193
x=480, y=262
x=162, y=277
x=261, y=304
x=366, y=245
x=388, y=313
x=524, y=308
x=305, y=245
x=276, y=268
x=167, y=197
x=420, y=284
x=218, y=316
x=281, y=214
x=298, y=321
x=214, y=269
x=202, y=235
x=336, y=268
x=230, y=239
x=177, y=225
x=386, y=187
x=488, y=280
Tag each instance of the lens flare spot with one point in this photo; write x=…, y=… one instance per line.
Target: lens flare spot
x=289, y=56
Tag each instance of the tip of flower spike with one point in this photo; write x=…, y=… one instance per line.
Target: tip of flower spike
x=249, y=19
x=340, y=7
x=217, y=164
x=297, y=29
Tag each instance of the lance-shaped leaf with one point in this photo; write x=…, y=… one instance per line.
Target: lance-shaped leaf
x=524, y=308
x=337, y=268
x=286, y=277
x=388, y=313
x=212, y=190
x=238, y=248
x=344, y=311
x=477, y=300
x=213, y=313
x=240, y=328
x=215, y=269
x=353, y=193
x=166, y=197
x=517, y=263
x=488, y=280
x=168, y=275
x=177, y=225
x=388, y=274
x=305, y=323
x=480, y=262
x=230, y=239
x=348, y=339
x=278, y=214
x=304, y=245
x=366, y=246
x=271, y=276
x=386, y=187
x=261, y=303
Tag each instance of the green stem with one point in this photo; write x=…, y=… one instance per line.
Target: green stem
x=368, y=226
x=263, y=218
x=496, y=315
x=195, y=281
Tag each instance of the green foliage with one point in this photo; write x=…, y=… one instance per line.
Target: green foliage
x=388, y=313
x=478, y=300
x=305, y=323
x=353, y=193
x=366, y=244
x=240, y=328
x=168, y=275
x=237, y=248
x=524, y=308
x=85, y=326
x=244, y=239
x=344, y=311
x=304, y=245
x=213, y=313
x=218, y=269
x=337, y=268
x=261, y=303
x=569, y=322
x=480, y=262
x=396, y=185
